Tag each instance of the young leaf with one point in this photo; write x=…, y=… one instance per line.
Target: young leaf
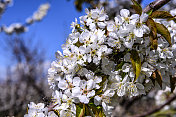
x=151, y=24
x=137, y=7
x=136, y=63
x=80, y=110
x=157, y=76
x=172, y=83
x=119, y=66
x=154, y=44
x=161, y=14
x=97, y=110
x=161, y=29
x=78, y=4
x=88, y=111
x=101, y=114
x=150, y=12
x=164, y=113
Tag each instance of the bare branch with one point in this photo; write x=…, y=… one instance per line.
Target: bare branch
x=155, y=5
x=157, y=109
x=50, y=108
x=139, y=1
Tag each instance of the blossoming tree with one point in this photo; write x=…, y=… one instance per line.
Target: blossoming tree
x=105, y=59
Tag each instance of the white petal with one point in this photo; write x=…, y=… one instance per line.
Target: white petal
x=134, y=18
x=92, y=26
x=76, y=92
x=90, y=84
x=104, y=106
x=118, y=20
x=97, y=100
x=94, y=15
x=90, y=94
x=139, y=86
x=143, y=17
x=129, y=44
x=101, y=24
x=98, y=79
x=76, y=81
x=110, y=27
x=102, y=17
x=138, y=32
x=62, y=84
x=125, y=67
x=124, y=13
x=84, y=99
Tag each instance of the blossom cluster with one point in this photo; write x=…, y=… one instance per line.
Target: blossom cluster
x=96, y=63
x=162, y=96
x=19, y=27
x=4, y=4
x=39, y=110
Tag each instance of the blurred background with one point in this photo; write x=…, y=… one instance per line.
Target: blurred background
x=31, y=31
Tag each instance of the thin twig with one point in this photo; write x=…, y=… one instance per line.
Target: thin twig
x=51, y=107
x=156, y=109
x=131, y=102
x=155, y=5
x=139, y=1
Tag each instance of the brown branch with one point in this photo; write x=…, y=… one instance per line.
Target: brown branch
x=157, y=109
x=155, y=5
x=131, y=102
x=139, y=1
x=50, y=108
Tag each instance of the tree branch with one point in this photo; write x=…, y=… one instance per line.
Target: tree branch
x=139, y=1
x=157, y=109
x=50, y=108
x=155, y=5
x=131, y=102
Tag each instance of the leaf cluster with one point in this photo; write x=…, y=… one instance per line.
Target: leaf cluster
x=155, y=29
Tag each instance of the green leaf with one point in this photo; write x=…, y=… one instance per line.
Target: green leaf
x=88, y=111
x=154, y=44
x=97, y=110
x=161, y=15
x=137, y=7
x=172, y=83
x=161, y=29
x=101, y=114
x=150, y=12
x=153, y=34
x=156, y=75
x=80, y=110
x=164, y=113
x=119, y=66
x=78, y=4
x=136, y=63
x=151, y=24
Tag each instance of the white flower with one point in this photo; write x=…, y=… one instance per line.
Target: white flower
x=38, y=106
x=104, y=99
x=96, y=64
x=125, y=14
x=133, y=89
x=74, y=25
x=35, y=110
x=42, y=11
x=52, y=114
x=84, y=91
x=140, y=27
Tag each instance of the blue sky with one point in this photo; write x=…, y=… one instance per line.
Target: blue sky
x=51, y=32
